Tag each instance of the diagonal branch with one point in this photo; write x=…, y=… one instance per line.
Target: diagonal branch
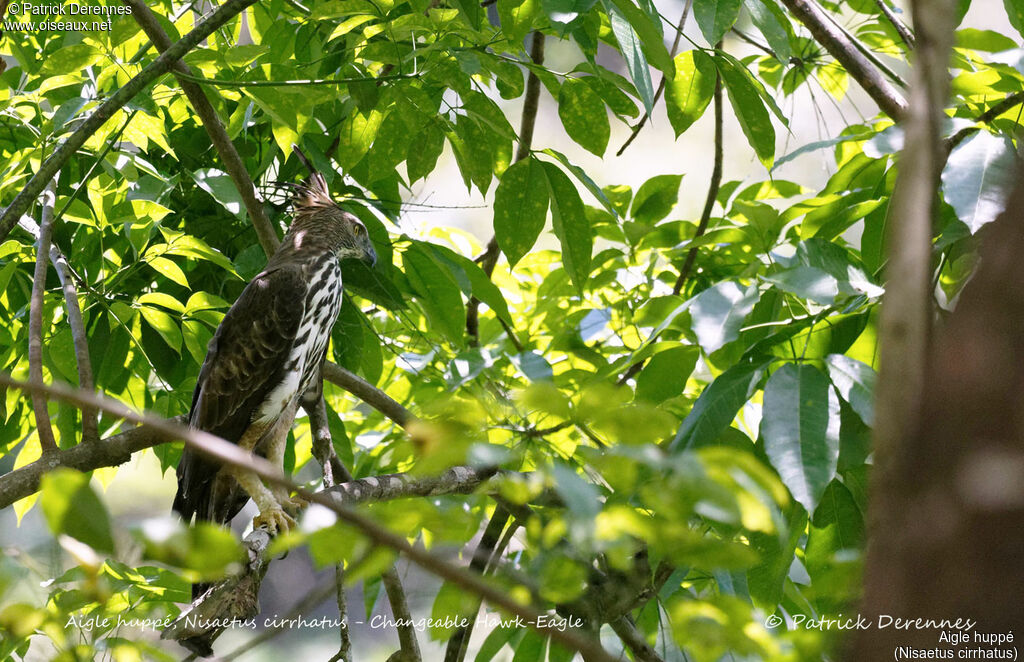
x=901, y=28
x=233, y=164
x=368, y=393
x=35, y=321
x=160, y=66
x=231, y=455
x=847, y=54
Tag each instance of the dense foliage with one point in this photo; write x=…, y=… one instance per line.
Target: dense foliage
x=695, y=440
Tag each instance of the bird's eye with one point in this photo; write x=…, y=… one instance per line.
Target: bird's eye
x=360, y=230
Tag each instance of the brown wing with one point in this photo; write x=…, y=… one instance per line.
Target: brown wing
x=244, y=362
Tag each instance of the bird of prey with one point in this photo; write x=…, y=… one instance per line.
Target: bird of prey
x=265, y=355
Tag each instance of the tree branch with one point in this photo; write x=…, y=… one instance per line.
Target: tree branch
x=35, y=321
x=67, y=276
x=161, y=65
x=86, y=456
x=78, y=337
x=634, y=640
x=229, y=454
x=368, y=393
x=233, y=164
x=664, y=80
x=531, y=102
x=410, y=648
x=849, y=56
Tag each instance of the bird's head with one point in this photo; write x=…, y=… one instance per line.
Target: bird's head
x=314, y=207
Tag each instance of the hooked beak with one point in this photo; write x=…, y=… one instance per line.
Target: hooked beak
x=369, y=255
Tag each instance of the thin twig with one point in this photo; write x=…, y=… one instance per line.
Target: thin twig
x=849, y=56
x=712, y=196
x=78, y=337
x=705, y=217
x=229, y=454
x=233, y=164
x=344, y=653
x=531, y=101
x=160, y=66
x=35, y=321
x=753, y=42
x=987, y=117
x=901, y=28
x=664, y=80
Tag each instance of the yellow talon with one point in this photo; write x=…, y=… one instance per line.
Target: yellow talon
x=274, y=520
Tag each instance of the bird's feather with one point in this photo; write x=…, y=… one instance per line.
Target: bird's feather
x=245, y=360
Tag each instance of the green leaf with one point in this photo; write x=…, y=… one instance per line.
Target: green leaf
x=494, y=642
x=584, y=115
x=715, y=17
x=531, y=647
x=979, y=177
x=517, y=18
x=520, y=207
x=773, y=24
x=767, y=580
x=163, y=324
x=750, y=111
x=717, y=406
x=72, y=508
x=800, y=427
x=481, y=286
x=69, y=59
x=585, y=179
x=470, y=10
x=718, y=312
x=218, y=184
x=632, y=53
x=688, y=94
x=168, y=269
x=666, y=373
x=855, y=382
x=571, y=225
x=451, y=602
x=357, y=134
x=645, y=21
x=437, y=289
x=563, y=12
x=656, y=198
x=834, y=543
x=1015, y=12
x=807, y=283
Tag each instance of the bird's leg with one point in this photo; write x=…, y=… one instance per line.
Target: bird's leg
x=272, y=514
x=278, y=443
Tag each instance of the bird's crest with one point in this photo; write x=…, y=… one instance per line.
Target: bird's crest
x=314, y=194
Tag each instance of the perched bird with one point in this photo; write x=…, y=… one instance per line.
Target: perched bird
x=266, y=353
